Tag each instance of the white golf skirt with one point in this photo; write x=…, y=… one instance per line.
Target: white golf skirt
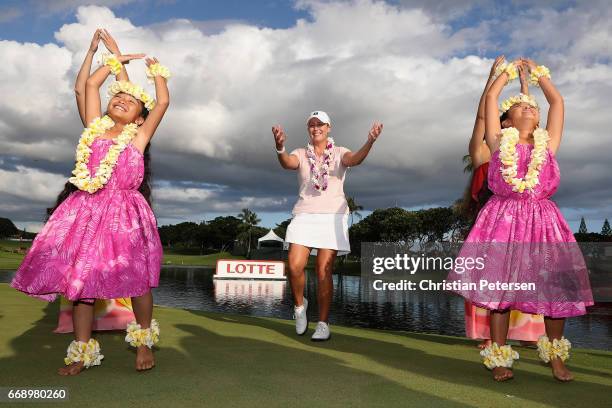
x=326, y=231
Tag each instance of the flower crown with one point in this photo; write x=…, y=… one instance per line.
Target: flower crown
x=132, y=89
x=513, y=100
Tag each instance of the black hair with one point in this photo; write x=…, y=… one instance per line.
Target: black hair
x=503, y=117
x=470, y=207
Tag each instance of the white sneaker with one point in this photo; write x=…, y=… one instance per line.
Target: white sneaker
x=322, y=332
x=301, y=320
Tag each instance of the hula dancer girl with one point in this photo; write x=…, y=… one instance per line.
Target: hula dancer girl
x=520, y=233
x=101, y=240
x=320, y=216
x=109, y=314
x=523, y=326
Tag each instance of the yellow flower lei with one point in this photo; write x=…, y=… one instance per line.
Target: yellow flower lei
x=157, y=69
x=139, y=337
x=112, y=62
x=509, y=68
x=508, y=103
x=132, y=89
x=548, y=350
x=82, y=178
x=88, y=353
x=509, y=158
x=537, y=73
x=496, y=356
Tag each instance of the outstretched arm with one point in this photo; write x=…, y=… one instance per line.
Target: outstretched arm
x=479, y=152
x=556, y=112
x=286, y=160
x=111, y=45
x=162, y=97
x=81, y=79
x=352, y=159
x=522, y=69
x=93, y=84
x=492, y=125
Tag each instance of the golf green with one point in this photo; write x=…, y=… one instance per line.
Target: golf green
x=218, y=360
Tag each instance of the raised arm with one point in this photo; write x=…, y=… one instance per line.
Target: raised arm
x=352, y=159
x=81, y=79
x=479, y=152
x=522, y=69
x=111, y=45
x=556, y=111
x=286, y=160
x=93, y=84
x=162, y=101
x=492, y=125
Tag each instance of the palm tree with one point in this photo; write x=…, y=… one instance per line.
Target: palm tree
x=249, y=220
x=469, y=166
x=354, y=208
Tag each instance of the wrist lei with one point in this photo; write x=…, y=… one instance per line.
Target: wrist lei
x=537, y=73
x=111, y=61
x=157, y=69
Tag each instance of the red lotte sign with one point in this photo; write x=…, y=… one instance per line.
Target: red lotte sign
x=249, y=269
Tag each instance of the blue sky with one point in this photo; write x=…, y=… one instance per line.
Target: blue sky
x=36, y=22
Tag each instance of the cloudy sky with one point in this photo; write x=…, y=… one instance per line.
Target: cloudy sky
x=241, y=66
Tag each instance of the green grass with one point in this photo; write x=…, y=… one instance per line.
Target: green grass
x=217, y=360
x=5, y=243
x=8, y=258
x=11, y=260
x=197, y=260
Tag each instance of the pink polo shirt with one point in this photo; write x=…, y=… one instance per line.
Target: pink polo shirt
x=332, y=200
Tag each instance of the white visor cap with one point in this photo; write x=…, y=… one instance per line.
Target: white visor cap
x=322, y=116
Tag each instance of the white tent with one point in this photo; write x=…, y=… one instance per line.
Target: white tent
x=271, y=236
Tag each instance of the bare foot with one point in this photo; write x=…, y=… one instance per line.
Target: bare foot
x=560, y=371
x=72, y=369
x=144, y=358
x=502, y=374
x=484, y=344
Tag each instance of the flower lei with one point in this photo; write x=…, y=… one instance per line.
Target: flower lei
x=508, y=103
x=548, y=350
x=82, y=178
x=112, y=62
x=537, y=73
x=132, y=89
x=498, y=356
x=157, y=69
x=509, y=68
x=88, y=353
x=319, y=176
x=509, y=158
x=137, y=336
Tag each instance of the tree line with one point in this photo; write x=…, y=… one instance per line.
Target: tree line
x=240, y=233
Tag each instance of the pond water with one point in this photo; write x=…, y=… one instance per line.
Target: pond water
x=425, y=312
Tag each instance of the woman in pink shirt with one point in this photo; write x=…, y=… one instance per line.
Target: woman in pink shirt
x=320, y=216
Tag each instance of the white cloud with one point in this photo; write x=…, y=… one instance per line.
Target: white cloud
x=359, y=60
x=31, y=184
x=33, y=83
x=182, y=195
